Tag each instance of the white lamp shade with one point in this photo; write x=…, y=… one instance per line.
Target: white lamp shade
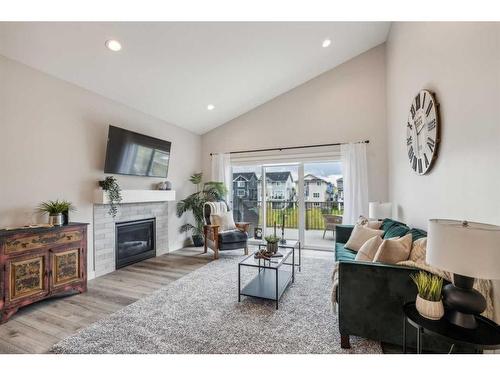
x=379, y=210
x=464, y=248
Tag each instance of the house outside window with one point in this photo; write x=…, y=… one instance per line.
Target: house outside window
x=241, y=184
x=240, y=192
x=315, y=195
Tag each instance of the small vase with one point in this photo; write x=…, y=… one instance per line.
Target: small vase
x=432, y=310
x=56, y=219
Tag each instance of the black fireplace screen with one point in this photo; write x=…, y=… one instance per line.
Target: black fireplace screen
x=135, y=241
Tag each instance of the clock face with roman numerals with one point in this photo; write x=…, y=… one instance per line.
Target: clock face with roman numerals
x=422, y=132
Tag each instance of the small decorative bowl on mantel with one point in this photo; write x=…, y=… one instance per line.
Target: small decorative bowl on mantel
x=429, y=303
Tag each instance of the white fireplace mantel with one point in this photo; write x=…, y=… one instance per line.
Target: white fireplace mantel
x=137, y=196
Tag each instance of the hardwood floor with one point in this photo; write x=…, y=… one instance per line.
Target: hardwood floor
x=34, y=329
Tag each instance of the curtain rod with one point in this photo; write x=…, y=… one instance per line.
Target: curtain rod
x=289, y=148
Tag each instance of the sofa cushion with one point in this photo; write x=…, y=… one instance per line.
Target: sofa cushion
x=360, y=235
x=224, y=220
x=417, y=234
x=388, y=223
x=418, y=249
x=394, y=250
x=341, y=253
x=369, y=249
x=396, y=230
x=232, y=236
x=372, y=224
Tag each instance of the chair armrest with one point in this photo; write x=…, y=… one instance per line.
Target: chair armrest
x=343, y=232
x=243, y=226
x=211, y=231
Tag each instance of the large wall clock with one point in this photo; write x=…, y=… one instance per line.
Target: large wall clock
x=422, y=132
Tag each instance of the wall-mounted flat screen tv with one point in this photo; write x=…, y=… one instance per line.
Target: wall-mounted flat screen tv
x=136, y=154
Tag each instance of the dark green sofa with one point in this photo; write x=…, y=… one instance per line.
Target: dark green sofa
x=370, y=296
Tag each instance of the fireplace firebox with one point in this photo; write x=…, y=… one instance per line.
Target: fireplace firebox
x=135, y=241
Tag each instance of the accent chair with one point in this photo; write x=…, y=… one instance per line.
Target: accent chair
x=219, y=240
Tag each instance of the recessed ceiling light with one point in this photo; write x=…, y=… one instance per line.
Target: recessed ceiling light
x=113, y=45
x=210, y=107
x=326, y=43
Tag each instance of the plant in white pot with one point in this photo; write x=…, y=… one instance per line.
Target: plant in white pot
x=429, y=303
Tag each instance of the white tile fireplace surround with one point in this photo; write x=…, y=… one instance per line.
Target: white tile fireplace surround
x=104, y=230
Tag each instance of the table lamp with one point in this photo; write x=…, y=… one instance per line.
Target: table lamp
x=468, y=250
x=379, y=210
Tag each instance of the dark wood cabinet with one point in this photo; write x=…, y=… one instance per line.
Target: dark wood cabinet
x=37, y=263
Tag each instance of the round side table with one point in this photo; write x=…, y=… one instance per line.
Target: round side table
x=485, y=337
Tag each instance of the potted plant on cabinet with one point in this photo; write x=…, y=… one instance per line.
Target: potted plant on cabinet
x=58, y=211
x=428, y=302
x=207, y=192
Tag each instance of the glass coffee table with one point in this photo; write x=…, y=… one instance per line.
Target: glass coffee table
x=272, y=276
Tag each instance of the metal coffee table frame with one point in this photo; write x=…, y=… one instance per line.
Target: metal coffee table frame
x=271, y=281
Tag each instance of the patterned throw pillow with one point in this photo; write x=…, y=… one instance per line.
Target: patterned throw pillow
x=417, y=253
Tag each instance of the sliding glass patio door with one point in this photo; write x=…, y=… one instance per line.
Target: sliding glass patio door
x=281, y=203
x=323, y=202
x=302, y=200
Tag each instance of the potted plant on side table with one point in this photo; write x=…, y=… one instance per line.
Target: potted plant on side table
x=58, y=211
x=429, y=303
x=209, y=192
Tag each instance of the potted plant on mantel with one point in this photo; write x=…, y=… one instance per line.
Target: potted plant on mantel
x=111, y=187
x=429, y=303
x=58, y=211
x=209, y=192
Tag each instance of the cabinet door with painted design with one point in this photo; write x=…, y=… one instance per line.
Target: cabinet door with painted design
x=66, y=266
x=26, y=278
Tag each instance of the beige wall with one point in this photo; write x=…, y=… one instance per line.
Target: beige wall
x=53, y=142
x=344, y=104
x=460, y=62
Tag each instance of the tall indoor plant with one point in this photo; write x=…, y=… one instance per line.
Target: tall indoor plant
x=208, y=192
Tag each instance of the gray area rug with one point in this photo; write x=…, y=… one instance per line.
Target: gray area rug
x=200, y=313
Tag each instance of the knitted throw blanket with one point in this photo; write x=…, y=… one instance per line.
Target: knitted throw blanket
x=485, y=287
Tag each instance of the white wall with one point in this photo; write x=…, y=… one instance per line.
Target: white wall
x=344, y=104
x=53, y=142
x=460, y=62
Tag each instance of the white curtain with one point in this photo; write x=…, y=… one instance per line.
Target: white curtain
x=355, y=173
x=221, y=172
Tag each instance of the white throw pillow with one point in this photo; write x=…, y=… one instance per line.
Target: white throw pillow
x=224, y=220
x=394, y=250
x=369, y=249
x=360, y=235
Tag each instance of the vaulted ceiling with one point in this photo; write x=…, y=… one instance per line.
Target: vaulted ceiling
x=173, y=71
